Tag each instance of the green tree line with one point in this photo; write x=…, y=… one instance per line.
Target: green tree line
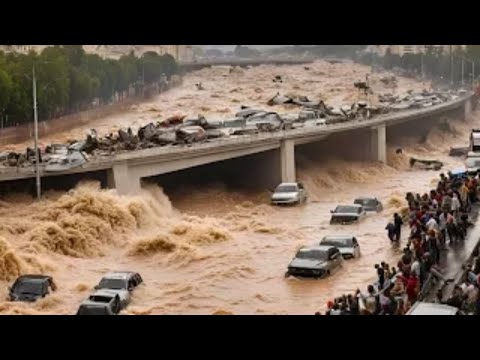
x=69, y=80
x=435, y=63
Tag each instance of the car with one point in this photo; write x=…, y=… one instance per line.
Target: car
x=95, y=308
x=115, y=280
x=101, y=302
x=30, y=288
x=289, y=193
x=315, y=261
x=121, y=282
x=347, y=244
x=424, y=308
x=472, y=163
x=370, y=204
x=347, y=214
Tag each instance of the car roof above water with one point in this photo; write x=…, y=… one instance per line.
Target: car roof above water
x=341, y=236
x=119, y=275
x=38, y=278
x=317, y=248
x=351, y=205
x=362, y=198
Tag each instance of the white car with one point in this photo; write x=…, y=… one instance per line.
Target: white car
x=423, y=308
x=472, y=162
x=347, y=244
x=289, y=193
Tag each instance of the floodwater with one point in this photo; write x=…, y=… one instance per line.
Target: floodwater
x=205, y=250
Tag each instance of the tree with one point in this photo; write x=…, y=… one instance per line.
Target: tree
x=5, y=90
x=69, y=79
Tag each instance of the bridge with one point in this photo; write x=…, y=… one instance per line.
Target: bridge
x=271, y=156
x=197, y=65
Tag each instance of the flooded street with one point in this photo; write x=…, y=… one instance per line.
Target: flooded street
x=216, y=249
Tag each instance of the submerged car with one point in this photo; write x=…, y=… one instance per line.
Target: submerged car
x=347, y=244
x=289, y=193
x=121, y=283
x=369, y=204
x=315, y=261
x=120, y=280
x=31, y=288
x=347, y=214
x=101, y=302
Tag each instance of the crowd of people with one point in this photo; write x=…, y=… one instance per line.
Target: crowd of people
x=437, y=220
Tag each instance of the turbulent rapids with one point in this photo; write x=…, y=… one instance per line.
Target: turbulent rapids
x=215, y=248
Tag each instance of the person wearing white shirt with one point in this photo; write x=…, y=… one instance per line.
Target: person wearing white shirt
x=455, y=203
x=432, y=224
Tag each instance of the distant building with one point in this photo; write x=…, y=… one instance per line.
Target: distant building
x=180, y=53
x=22, y=49
x=410, y=49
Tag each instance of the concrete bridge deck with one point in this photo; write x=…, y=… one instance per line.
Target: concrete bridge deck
x=126, y=169
x=196, y=65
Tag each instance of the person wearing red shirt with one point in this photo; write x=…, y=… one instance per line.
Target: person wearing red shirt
x=412, y=288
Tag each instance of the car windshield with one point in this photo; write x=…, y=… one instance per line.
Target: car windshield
x=312, y=254
x=337, y=241
x=347, y=209
x=100, y=298
x=472, y=162
x=112, y=284
x=366, y=202
x=286, y=189
x=29, y=287
x=93, y=310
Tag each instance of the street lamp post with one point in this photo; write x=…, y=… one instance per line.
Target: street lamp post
x=473, y=74
x=422, y=65
x=35, y=125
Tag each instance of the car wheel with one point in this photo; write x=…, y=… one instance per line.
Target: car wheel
x=328, y=272
x=287, y=275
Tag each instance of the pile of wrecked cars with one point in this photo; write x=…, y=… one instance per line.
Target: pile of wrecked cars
x=180, y=130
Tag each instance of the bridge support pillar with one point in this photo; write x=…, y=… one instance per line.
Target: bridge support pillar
x=467, y=109
x=378, y=144
x=126, y=182
x=287, y=160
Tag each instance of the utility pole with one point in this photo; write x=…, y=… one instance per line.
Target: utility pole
x=422, y=68
x=143, y=76
x=463, y=68
x=473, y=74
x=35, y=123
x=451, y=66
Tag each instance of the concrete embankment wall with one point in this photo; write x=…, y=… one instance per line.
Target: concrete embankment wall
x=21, y=133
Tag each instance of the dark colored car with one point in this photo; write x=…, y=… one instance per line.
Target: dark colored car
x=101, y=302
x=347, y=214
x=369, y=204
x=315, y=261
x=31, y=288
